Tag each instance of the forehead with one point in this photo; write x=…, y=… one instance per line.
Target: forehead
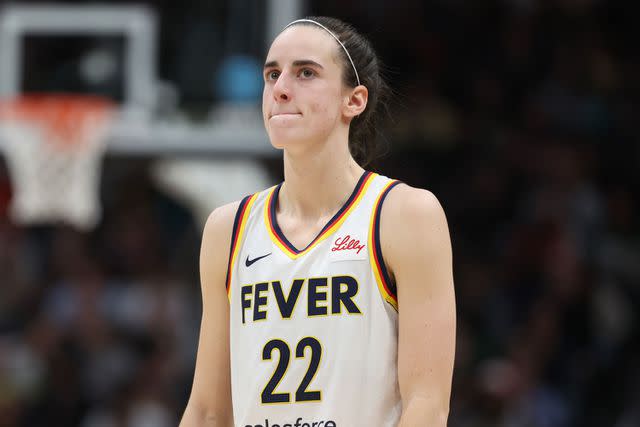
x=303, y=41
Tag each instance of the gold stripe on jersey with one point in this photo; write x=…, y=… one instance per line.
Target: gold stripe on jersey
x=236, y=237
x=387, y=290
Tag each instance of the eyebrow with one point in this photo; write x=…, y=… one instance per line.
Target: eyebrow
x=296, y=63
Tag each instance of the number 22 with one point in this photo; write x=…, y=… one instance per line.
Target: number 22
x=302, y=395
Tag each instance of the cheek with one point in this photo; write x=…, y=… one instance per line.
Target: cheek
x=325, y=110
x=266, y=97
x=323, y=102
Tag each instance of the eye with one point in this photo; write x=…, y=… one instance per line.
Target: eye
x=307, y=73
x=272, y=75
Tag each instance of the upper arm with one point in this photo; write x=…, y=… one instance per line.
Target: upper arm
x=417, y=249
x=211, y=390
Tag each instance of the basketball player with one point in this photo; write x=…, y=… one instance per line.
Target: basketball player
x=334, y=305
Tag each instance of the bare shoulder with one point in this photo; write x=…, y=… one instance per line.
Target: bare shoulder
x=214, y=249
x=413, y=227
x=407, y=206
x=217, y=231
x=220, y=220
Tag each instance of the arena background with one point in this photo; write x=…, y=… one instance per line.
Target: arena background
x=520, y=115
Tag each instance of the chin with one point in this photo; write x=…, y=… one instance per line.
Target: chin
x=277, y=144
x=284, y=138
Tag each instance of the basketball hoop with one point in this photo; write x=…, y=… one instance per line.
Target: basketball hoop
x=53, y=146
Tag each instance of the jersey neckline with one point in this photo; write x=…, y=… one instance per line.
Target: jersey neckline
x=278, y=237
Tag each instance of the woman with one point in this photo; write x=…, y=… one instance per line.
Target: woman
x=315, y=327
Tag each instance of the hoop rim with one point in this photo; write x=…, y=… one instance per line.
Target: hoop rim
x=62, y=117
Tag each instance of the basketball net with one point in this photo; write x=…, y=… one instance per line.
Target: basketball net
x=53, y=147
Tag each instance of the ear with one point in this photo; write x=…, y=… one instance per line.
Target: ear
x=356, y=101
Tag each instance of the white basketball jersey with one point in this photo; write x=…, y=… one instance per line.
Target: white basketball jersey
x=314, y=331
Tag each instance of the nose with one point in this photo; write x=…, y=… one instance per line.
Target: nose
x=281, y=90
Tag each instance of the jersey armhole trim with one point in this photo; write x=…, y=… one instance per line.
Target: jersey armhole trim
x=386, y=286
x=239, y=224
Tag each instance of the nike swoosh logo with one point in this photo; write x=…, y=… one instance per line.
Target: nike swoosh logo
x=248, y=261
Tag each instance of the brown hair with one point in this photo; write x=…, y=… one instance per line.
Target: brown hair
x=363, y=132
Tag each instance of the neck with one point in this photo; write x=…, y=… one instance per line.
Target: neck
x=318, y=183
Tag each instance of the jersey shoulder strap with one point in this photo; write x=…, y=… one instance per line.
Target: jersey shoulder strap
x=239, y=226
x=385, y=282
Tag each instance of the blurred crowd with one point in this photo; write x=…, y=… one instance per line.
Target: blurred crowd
x=522, y=118
x=520, y=115
x=100, y=329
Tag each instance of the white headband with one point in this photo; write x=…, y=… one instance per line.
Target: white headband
x=332, y=35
